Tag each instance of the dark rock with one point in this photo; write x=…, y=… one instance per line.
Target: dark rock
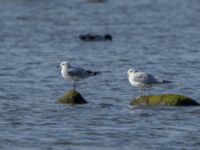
x=72, y=97
x=164, y=100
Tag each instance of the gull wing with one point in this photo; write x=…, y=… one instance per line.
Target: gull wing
x=78, y=73
x=145, y=78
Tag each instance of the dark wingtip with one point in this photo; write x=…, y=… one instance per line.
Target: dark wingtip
x=165, y=81
x=94, y=73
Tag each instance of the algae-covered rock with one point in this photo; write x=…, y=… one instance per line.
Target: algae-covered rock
x=72, y=97
x=164, y=100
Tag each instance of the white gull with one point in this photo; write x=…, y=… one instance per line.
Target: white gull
x=143, y=80
x=75, y=74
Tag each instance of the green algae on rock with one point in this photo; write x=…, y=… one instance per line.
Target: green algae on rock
x=72, y=97
x=164, y=100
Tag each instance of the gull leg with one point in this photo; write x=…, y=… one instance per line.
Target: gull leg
x=74, y=86
x=140, y=92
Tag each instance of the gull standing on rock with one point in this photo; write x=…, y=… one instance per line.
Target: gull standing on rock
x=143, y=80
x=75, y=74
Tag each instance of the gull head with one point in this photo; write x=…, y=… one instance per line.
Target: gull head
x=65, y=65
x=108, y=37
x=131, y=71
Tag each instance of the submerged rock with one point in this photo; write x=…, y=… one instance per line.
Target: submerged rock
x=164, y=100
x=72, y=97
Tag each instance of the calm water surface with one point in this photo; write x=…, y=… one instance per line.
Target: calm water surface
x=161, y=37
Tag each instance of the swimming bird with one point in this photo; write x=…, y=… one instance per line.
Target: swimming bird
x=89, y=37
x=75, y=74
x=143, y=80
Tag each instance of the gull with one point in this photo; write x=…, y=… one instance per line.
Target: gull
x=75, y=74
x=143, y=80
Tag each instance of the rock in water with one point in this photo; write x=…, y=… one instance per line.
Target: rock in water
x=164, y=100
x=72, y=97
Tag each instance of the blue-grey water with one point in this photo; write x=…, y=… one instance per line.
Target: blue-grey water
x=161, y=37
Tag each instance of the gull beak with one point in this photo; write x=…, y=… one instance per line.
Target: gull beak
x=57, y=66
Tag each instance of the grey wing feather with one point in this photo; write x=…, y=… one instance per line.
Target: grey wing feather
x=77, y=72
x=145, y=78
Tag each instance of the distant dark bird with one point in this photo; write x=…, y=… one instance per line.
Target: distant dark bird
x=89, y=37
x=96, y=1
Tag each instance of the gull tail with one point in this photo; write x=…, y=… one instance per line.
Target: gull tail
x=166, y=81
x=93, y=73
